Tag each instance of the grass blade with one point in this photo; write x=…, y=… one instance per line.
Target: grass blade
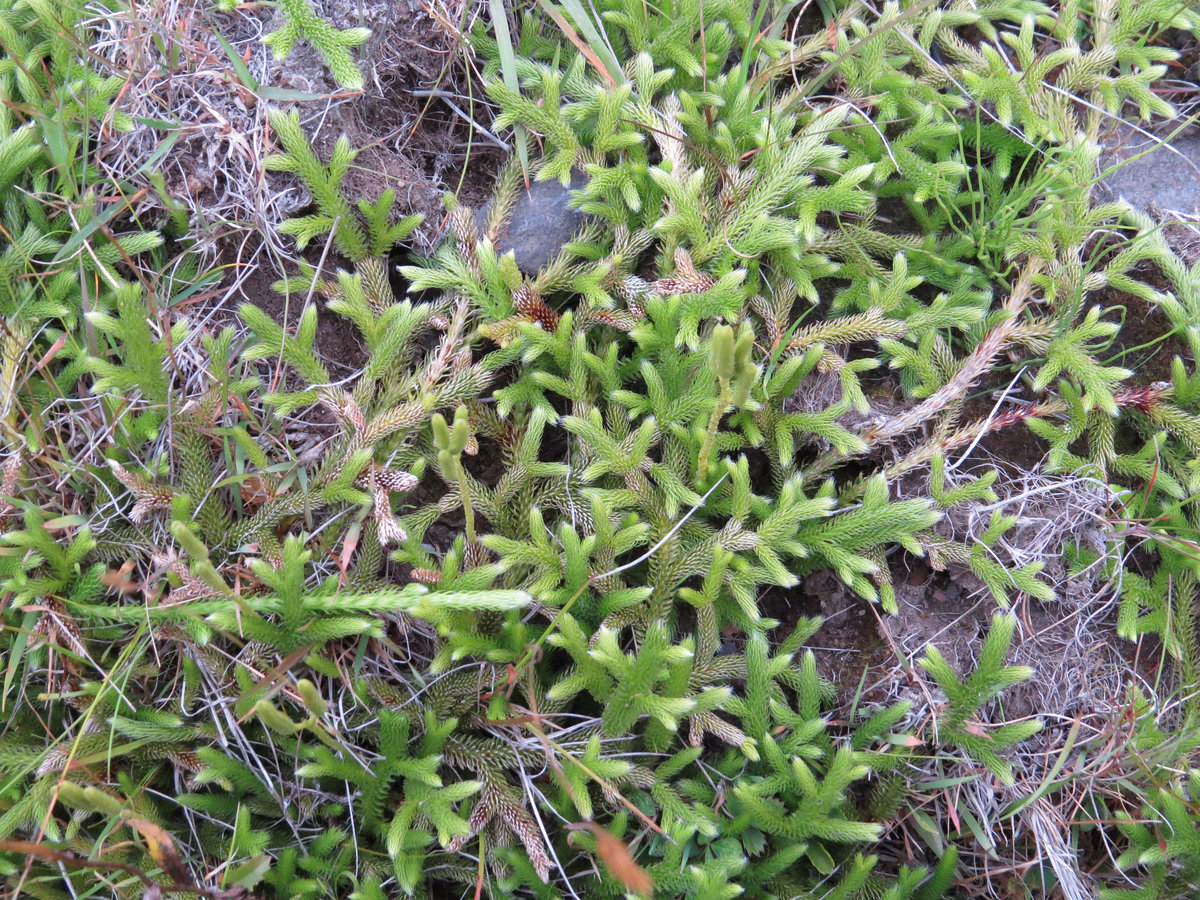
x=508, y=68
x=596, y=38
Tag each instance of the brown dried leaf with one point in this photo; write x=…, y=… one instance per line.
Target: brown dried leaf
x=618, y=860
x=162, y=849
x=255, y=492
x=119, y=580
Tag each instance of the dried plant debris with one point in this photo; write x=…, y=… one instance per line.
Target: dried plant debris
x=199, y=84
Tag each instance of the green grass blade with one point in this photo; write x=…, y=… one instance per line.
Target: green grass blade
x=508, y=68
x=593, y=31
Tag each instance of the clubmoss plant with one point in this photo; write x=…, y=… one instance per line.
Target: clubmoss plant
x=300, y=20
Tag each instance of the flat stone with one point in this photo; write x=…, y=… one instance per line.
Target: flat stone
x=541, y=223
x=1165, y=180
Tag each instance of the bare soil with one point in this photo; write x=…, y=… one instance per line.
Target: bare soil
x=410, y=122
x=1146, y=342
x=412, y=139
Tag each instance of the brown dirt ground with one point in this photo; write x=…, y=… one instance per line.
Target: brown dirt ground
x=411, y=140
x=1146, y=343
x=1080, y=667
x=417, y=145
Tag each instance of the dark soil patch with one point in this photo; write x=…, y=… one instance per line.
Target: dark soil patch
x=337, y=343
x=762, y=480
x=1146, y=342
x=789, y=605
x=488, y=465
x=848, y=641
x=893, y=216
x=1015, y=448
x=556, y=441
x=410, y=121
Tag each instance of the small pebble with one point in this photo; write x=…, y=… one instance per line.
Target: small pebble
x=541, y=223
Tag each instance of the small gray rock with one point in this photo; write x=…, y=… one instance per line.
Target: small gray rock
x=1160, y=180
x=541, y=223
